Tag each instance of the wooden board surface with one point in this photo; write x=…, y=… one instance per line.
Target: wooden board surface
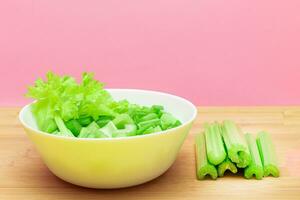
x=24, y=176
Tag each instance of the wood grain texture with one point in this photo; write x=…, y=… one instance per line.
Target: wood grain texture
x=24, y=176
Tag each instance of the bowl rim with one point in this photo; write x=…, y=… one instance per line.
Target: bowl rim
x=168, y=131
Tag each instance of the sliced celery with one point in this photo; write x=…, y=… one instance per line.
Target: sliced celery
x=267, y=154
x=109, y=129
x=74, y=126
x=148, y=117
x=169, y=121
x=63, y=130
x=91, y=131
x=129, y=130
x=152, y=130
x=214, y=144
x=203, y=167
x=146, y=125
x=236, y=145
x=121, y=120
x=226, y=165
x=103, y=120
x=85, y=121
x=255, y=168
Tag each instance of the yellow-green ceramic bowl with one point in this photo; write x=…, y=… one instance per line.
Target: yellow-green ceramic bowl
x=115, y=162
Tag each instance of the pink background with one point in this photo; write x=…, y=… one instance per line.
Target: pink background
x=213, y=52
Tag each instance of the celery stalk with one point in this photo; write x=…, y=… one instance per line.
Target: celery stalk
x=236, y=145
x=63, y=130
x=226, y=165
x=214, y=144
x=267, y=154
x=255, y=168
x=203, y=167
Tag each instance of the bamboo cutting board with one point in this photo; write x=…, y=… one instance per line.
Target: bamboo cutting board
x=24, y=176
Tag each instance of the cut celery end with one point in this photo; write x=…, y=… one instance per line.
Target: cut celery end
x=214, y=144
x=255, y=168
x=203, y=167
x=267, y=154
x=208, y=170
x=244, y=159
x=121, y=120
x=226, y=165
x=129, y=130
x=236, y=145
x=271, y=170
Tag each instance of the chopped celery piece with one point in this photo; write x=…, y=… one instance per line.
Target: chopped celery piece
x=129, y=130
x=255, y=168
x=226, y=165
x=152, y=130
x=121, y=120
x=267, y=154
x=74, y=126
x=152, y=122
x=214, y=144
x=148, y=117
x=168, y=121
x=109, y=129
x=236, y=145
x=145, y=125
x=157, y=109
x=91, y=131
x=85, y=121
x=103, y=120
x=62, y=127
x=203, y=167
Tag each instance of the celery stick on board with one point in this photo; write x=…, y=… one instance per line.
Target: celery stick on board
x=203, y=167
x=267, y=154
x=255, y=168
x=214, y=144
x=236, y=145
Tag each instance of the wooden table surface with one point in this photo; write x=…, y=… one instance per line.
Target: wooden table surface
x=24, y=176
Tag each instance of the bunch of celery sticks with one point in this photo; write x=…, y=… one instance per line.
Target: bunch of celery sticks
x=224, y=147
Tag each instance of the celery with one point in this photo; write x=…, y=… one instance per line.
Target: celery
x=74, y=126
x=152, y=130
x=226, y=165
x=255, y=168
x=103, y=120
x=85, y=121
x=121, y=120
x=129, y=130
x=267, y=154
x=236, y=145
x=169, y=121
x=91, y=131
x=203, y=166
x=214, y=144
x=148, y=117
x=63, y=130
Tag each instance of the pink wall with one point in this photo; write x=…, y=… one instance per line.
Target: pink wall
x=213, y=52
